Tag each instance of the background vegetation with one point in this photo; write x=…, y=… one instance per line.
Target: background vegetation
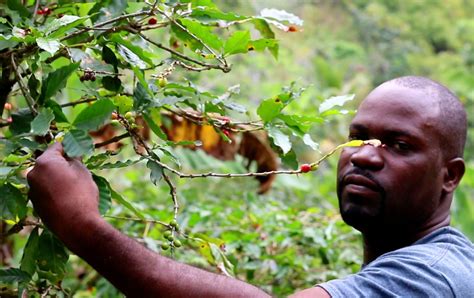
x=290, y=237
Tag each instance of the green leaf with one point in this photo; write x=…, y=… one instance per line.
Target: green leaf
x=109, y=56
x=56, y=81
x=51, y=256
x=77, y=143
x=270, y=108
x=262, y=26
x=309, y=142
x=13, y=203
x=204, y=14
x=237, y=43
x=131, y=57
x=108, y=9
x=12, y=275
x=156, y=171
x=121, y=200
x=112, y=83
x=279, y=139
x=40, y=125
x=17, y=6
x=6, y=147
x=28, y=260
x=138, y=51
x=123, y=103
x=59, y=26
x=141, y=98
x=21, y=122
x=57, y=110
x=119, y=164
x=49, y=45
x=104, y=193
x=335, y=101
x=150, y=120
x=204, y=33
x=95, y=115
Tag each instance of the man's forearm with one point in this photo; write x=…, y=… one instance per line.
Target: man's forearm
x=139, y=272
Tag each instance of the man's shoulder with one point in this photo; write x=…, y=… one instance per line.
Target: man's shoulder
x=442, y=263
x=443, y=247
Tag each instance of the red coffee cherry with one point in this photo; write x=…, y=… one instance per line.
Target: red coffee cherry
x=152, y=21
x=305, y=168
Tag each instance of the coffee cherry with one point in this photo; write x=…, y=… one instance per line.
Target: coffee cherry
x=166, y=234
x=7, y=106
x=93, y=77
x=162, y=82
x=40, y=12
x=305, y=168
x=177, y=243
x=129, y=116
x=10, y=120
x=174, y=223
x=114, y=116
x=165, y=246
x=226, y=132
x=152, y=21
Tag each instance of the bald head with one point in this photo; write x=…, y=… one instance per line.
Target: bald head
x=452, y=119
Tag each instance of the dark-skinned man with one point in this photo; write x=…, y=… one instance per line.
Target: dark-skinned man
x=398, y=195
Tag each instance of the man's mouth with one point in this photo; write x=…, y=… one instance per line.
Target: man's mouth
x=360, y=185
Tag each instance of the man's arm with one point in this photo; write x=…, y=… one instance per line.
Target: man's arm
x=66, y=197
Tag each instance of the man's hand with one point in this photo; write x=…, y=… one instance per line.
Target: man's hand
x=62, y=191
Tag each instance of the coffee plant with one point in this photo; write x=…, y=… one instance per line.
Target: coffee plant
x=110, y=80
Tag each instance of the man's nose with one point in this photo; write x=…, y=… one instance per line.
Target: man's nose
x=368, y=157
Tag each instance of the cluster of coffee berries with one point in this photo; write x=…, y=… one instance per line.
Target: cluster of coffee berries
x=168, y=235
x=88, y=75
x=44, y=11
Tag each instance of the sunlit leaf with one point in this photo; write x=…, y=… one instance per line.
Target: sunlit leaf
x=281, y=15
x=49, y=45
x=95, y=115
x=237, y=43
x=204, y=33
x=270, y=108
x=279, y=139
x=335, y=101
x=61, y=25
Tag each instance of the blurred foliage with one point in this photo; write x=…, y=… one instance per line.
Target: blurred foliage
x=291, y=237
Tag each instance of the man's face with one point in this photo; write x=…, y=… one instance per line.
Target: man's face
x=398, y=185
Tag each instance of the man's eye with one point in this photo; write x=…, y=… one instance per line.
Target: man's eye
x=401, y=146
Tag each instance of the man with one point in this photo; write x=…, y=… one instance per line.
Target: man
x=398, y=195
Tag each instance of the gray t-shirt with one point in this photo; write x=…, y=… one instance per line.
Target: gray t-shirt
x=439, y=265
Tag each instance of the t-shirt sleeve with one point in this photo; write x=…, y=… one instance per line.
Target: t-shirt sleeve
x=392, y=276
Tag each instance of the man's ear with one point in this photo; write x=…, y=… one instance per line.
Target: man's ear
x=454, y=171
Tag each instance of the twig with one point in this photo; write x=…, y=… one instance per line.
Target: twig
x=29, y=100
x=116, y=19
x=224, y=68
x=190, y=67
x=112, y=140
x=77, y=102
x=218, y=57
x=139, y=220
